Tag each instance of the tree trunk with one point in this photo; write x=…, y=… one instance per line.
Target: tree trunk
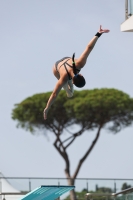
x=72, y=192
x=73, y=195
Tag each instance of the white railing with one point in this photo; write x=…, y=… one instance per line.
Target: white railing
x=128, y=8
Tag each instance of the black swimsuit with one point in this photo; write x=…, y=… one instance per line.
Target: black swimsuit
x=65, y=63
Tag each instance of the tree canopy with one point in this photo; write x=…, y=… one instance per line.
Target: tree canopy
x=89, y=108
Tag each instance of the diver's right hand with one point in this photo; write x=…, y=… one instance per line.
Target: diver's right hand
x=45, y=112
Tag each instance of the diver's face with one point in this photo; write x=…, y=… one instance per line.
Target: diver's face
x=78, y=75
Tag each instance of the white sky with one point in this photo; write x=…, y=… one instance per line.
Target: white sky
x=33, y=35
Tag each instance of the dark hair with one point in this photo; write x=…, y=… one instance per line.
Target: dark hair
x=78, y=80
x=73, y=64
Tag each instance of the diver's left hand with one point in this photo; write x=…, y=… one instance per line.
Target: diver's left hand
x=103, y=30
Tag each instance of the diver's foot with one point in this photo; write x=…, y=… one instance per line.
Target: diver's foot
x=69, y=94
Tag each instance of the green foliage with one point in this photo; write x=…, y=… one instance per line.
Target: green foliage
x=100, y=106
x=125, y=186
x=88, y=108
x=104, y=190
x=101, y=190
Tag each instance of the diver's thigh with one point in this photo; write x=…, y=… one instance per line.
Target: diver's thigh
x=56, y=74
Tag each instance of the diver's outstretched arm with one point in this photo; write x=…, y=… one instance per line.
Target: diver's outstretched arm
x=54, y=95
x=83, y=58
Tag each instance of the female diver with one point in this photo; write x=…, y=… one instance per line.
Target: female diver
x=67, y=71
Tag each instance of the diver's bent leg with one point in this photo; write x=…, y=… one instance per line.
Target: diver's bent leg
x=68, y=87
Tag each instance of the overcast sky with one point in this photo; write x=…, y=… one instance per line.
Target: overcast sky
x=33, y=35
